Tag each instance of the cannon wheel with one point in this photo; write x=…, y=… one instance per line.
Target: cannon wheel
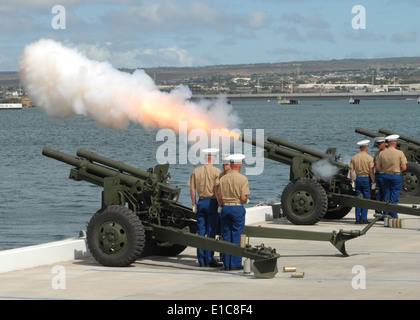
x=160, y=248
x=115, y=236
x=338, y=211
x=304, y=201
x=411, y=180
x=156, y=247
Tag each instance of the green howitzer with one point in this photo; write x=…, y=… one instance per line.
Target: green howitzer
x=408, y=145
x=140, y=215
x=410, y=192
x=310, y=195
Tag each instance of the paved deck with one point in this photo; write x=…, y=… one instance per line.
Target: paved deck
x=389, y=258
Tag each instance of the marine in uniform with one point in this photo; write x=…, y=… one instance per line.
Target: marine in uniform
x=234, y=191
x=362, y=164
x=225, y=164
x=226, y=169
x=204, y=181
x=381, y=145
x=392, y=162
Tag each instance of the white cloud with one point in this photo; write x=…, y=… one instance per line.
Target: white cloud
x=404, y=37
x=257, y=19
x=302, y=28
x=137, y=57
x=169, y=16
x=44, y=4
x=310, y=22
x=180, y=56
x=315, y=21
x=94, y=51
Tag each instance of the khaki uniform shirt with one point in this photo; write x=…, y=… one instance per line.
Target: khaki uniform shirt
x=375, y=159
x=391, y=160
x=232, y=186
x=204, y=179
x=362, y=163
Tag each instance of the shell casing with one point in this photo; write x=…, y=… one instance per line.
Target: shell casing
x=394, y=223
x=298, y=275
x=243, y=240
x=289, y=269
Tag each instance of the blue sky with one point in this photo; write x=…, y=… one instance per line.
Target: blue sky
x=179, y=33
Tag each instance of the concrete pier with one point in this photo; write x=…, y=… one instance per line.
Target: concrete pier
x=397, y=95
x=382, y=265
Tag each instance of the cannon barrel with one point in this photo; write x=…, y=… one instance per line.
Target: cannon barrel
x=93, y=168
x=276, y=150
x=406, y=144
x=61, y=156
x=368, y=133
x=291, y=145
x=121, y=167
x=283, y=155
x=407, y=141
x=405, y=138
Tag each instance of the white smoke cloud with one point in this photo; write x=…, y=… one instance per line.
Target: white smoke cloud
x=324, y=170
x=63, y=83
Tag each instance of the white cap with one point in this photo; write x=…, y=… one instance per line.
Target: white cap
x=225, y=158
x=392, y=137
x=363, y=143
x=211, y=151
x=236, y=158
x=379, y=140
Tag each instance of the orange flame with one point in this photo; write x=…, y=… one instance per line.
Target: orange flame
x=229, y=133
x=170, y=115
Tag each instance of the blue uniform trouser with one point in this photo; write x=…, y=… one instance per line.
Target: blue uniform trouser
x=392, y=188
x=380, y=194
x=362, y=187
x=233, y=224
x=207, y=223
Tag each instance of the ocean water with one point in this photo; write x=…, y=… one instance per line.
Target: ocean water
x=38, y=203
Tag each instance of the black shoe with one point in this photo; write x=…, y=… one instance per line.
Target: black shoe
x=214, y=264
x=357, y=222
x=365, y=221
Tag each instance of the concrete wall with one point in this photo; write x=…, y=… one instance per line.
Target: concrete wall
x=258, y=214
x=43, y=254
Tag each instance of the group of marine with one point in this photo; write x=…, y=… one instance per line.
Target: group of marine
x=381, y=173
x=219, y=209
x=222, y=195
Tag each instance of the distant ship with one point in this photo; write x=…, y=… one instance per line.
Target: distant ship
x=286, y=101
x=10, y=106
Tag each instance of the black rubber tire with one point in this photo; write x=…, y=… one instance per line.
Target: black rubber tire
x=411, y=180
x=115, y=236
x=338, y=211
x=304, y=201
x=159, y=248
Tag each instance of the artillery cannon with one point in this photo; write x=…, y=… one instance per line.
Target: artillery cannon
x=140, y=215
x=411, y=177
x=309, y=196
